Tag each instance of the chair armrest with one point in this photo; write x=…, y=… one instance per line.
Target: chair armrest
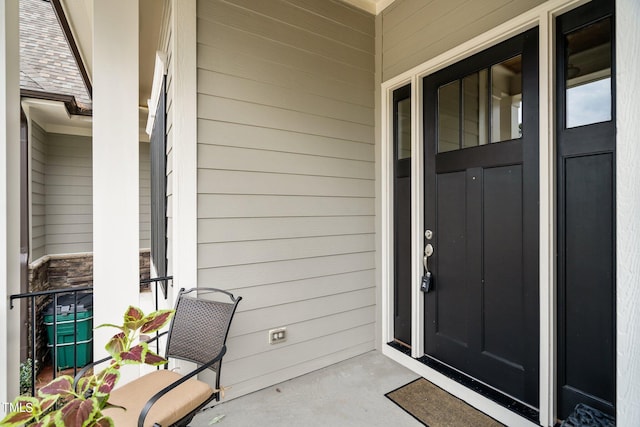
x=85, y=369
x=158, y=395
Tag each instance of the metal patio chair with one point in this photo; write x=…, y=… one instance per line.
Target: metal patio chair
x=197, y=334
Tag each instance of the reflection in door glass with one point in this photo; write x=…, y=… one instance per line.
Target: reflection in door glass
x=449, y=117
x=588, y=74
x=475, y=112
x=403, y=136
x=506, y=100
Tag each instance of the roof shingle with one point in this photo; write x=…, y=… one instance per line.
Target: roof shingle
x=46, y=62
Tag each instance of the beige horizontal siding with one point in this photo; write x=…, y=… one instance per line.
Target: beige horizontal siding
x=237, y=159
x=241, y=206
x=276, y=140
x=225, y=86
x=286, y=180
x=237, y=111
x=69, y=194
x=38, y=194
x=62, y=189
x=243, y=229
x=414, y=31
x=240, y=276
x=145, y=195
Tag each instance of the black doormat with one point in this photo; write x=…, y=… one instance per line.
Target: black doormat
x=434, y=407
x=586, y=416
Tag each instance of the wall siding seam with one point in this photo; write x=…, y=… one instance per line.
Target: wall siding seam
x=290, y=47
x=287, y=130
x=298, y=91
x=201, y=94
x=278, y=22
x=270, y=150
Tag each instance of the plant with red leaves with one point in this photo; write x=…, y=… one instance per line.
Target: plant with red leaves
x=63, y=403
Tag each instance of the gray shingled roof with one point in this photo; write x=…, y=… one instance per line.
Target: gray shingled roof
x=46, y=62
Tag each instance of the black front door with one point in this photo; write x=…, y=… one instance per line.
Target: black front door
x=586, y=208
x=481, y=214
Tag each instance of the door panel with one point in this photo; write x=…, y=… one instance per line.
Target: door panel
x=451, y=320
x=503, y=285
x=478, y=317
x=589, y=302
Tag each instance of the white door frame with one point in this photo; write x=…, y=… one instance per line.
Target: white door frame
x=542, y=16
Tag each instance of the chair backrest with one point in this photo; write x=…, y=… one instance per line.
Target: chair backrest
x=200, y=325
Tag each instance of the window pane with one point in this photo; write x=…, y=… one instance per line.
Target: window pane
x=588, y=74
x=506, y=100
x=475, y=116
x=449, y=117
x=403, y=132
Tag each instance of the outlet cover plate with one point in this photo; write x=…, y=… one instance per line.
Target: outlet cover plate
x=278, y=335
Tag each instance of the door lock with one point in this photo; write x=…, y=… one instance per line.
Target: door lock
x=428, y=234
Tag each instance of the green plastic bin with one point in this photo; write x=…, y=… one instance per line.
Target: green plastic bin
x=66, y=345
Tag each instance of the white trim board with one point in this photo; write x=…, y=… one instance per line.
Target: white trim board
x=185, y=212
x=542, y=16
x=9, y=199
x=627, y=213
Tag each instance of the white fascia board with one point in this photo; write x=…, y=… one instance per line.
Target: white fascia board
x=159, y=72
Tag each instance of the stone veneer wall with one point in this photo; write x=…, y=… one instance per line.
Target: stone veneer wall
x=60, y=272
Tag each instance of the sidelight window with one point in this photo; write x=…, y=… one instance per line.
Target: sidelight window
x=588, y=74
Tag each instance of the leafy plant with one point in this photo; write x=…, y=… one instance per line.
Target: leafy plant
x=25, y=375
x=65, y=403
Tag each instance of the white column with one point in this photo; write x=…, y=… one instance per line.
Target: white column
x=115, y=165
x=628, y=212
x=185, y=250
x=9, y=200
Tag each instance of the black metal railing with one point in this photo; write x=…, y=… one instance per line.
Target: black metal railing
x=55, y=294
x=158, y=281
x=76, y=293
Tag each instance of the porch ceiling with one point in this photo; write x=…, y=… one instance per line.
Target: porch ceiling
x=371, y=6
x=79, y=13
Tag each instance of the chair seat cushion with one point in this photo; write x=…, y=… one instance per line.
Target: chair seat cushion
x=167, y=410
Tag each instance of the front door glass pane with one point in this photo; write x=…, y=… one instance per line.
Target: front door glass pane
x=588, y=74
x=449, y=117
x=506, y=100
x=475, y=109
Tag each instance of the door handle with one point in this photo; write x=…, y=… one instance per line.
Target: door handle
x=427, y=278
x=428, y=251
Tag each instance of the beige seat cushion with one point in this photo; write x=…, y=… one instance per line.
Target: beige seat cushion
x=167, y=410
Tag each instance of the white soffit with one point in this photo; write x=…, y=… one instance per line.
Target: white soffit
x=79, y=16
x=53, y=117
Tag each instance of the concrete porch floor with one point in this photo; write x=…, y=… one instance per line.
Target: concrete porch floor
x=350, y=393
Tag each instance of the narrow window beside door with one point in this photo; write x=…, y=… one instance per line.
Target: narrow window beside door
x=402, y=214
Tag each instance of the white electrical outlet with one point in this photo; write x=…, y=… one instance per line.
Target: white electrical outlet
x=276, y=336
